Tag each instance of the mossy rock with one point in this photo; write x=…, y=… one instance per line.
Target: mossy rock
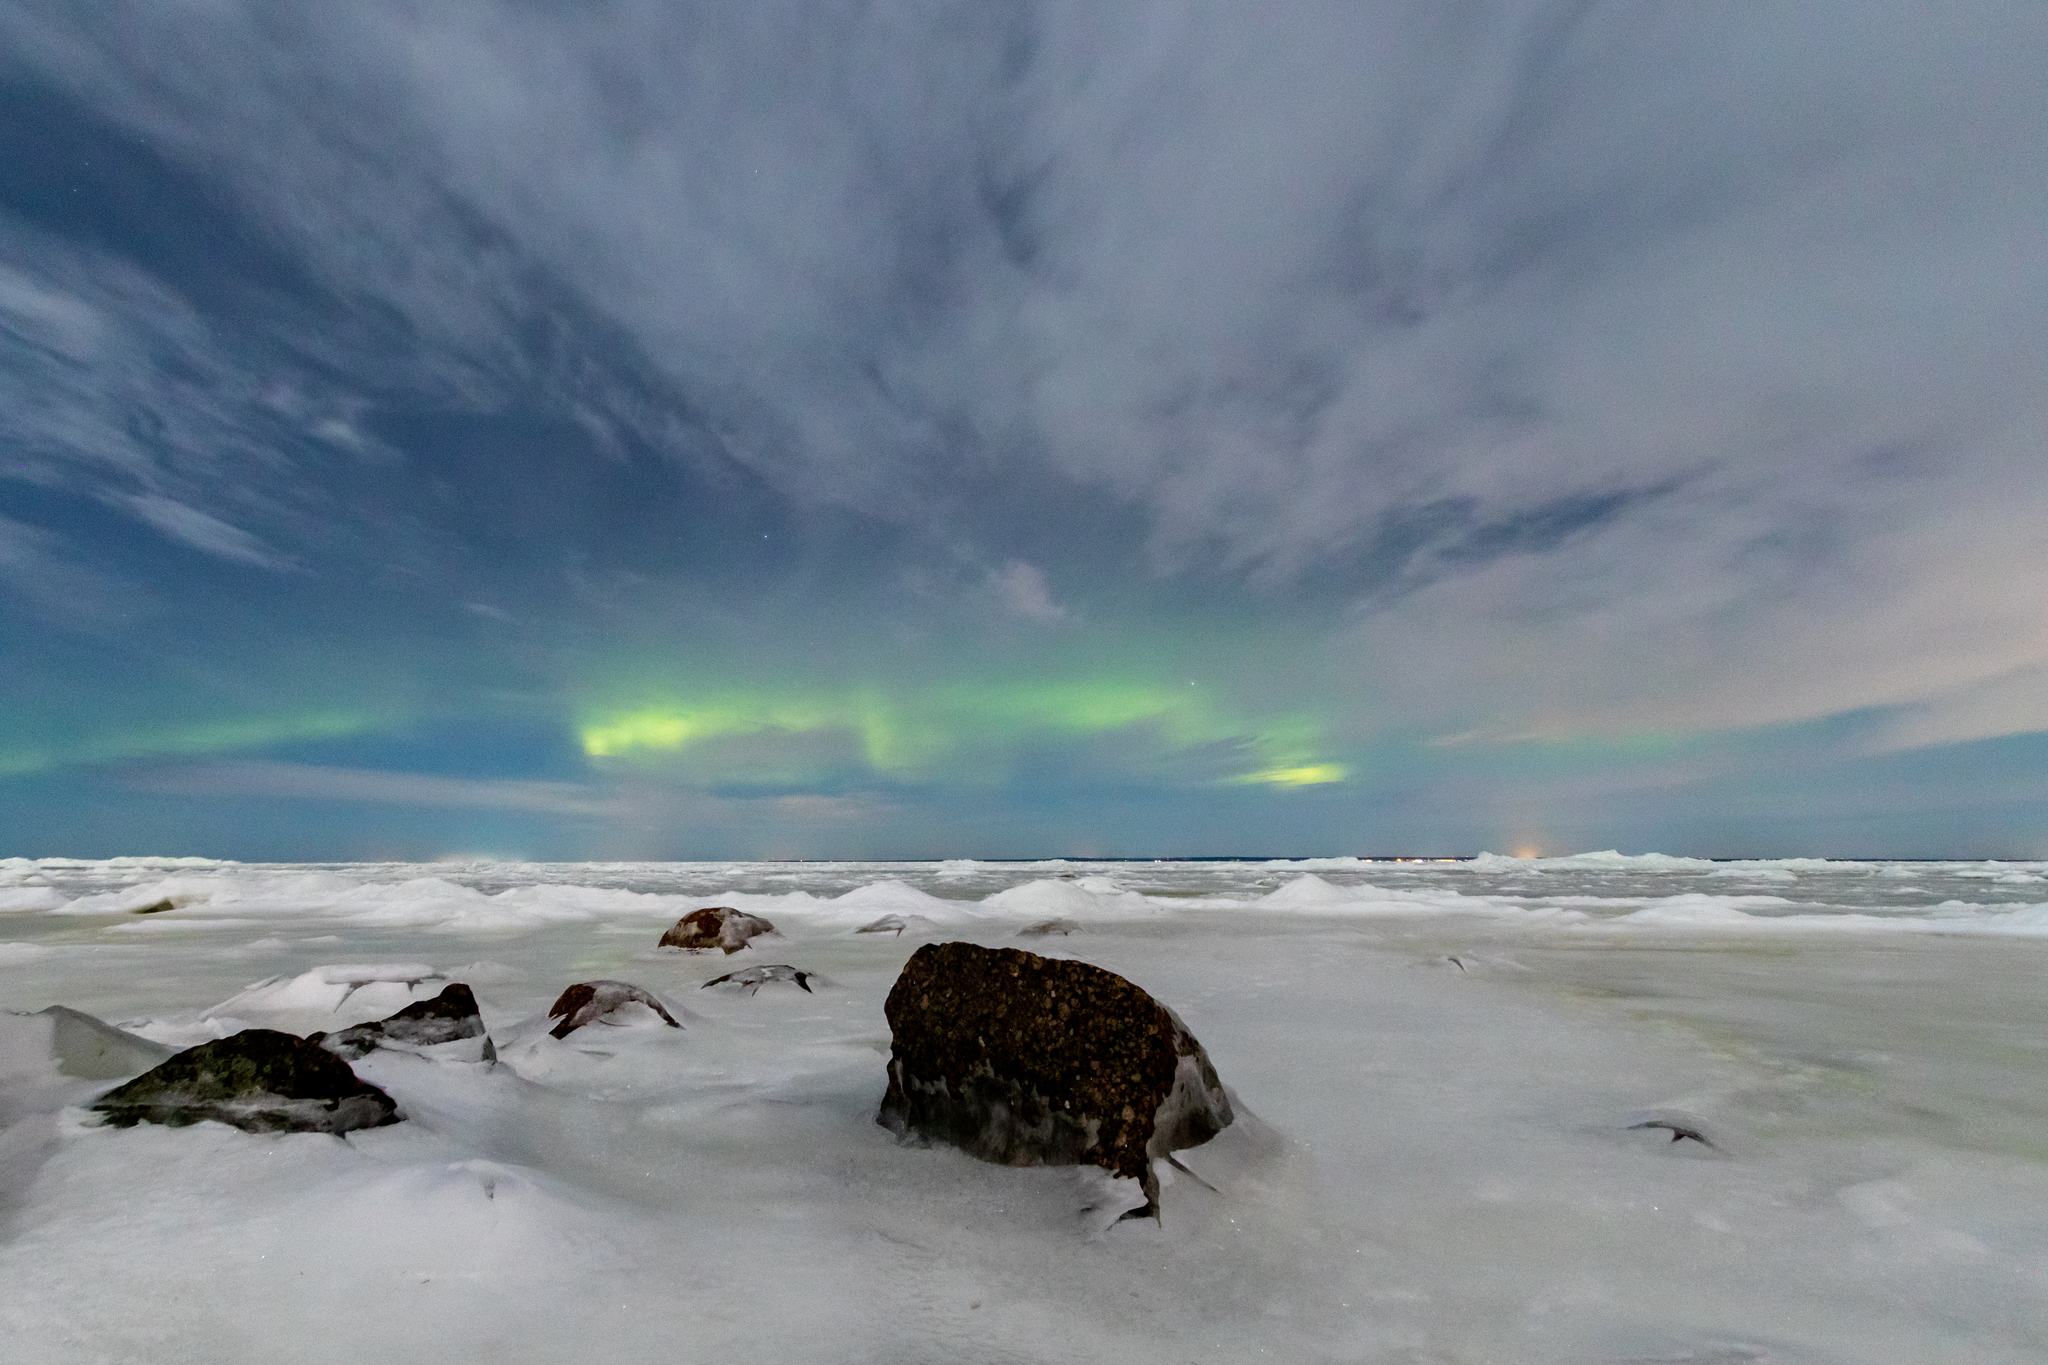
x=260, y=1080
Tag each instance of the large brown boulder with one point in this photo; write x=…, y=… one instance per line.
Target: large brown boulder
x=260, y=1080
x=715, y=926
x=1033, y=1061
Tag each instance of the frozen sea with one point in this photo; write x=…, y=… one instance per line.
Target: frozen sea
x=1439, y=1066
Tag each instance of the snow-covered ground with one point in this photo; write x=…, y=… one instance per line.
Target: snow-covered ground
x=1439, y=1065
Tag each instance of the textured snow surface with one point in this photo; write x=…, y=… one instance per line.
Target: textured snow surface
x=1440, y=1065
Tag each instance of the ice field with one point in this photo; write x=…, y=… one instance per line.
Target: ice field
x=1439, y=1068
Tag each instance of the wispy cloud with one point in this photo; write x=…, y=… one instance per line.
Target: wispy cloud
x=192, y=527
x=47, y=578
x=1021, y=590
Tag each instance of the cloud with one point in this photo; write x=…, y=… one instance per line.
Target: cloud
x=298, y=781
x=46, y=577
x=2009, y=703
x=1022, y=591
x=192, y=527
x=1633, y=367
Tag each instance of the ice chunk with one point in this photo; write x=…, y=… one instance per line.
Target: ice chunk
x=333, y=997
x=72, y=1043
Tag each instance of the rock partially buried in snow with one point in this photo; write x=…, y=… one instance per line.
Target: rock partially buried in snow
x=449, y=1017
x=897, y=924
x=593, y=1002
x=1031, y=1061
x=751, y=979
x=716, y=926
x=260, y=1081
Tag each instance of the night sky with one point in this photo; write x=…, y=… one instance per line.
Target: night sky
x=642, y=429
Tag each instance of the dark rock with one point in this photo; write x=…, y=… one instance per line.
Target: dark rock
x=751, y=979
x=1679, y=1131
x=588, y=1002
x=1030, y=1061
x=448, y=1017
x=717, y=926
x=156, y=907
x=1048, y=926
x=260, y=1081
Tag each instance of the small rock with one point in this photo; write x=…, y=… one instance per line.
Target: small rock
x=1031, y=1061
x=448, y=1017
x=1048, y=926
x=156, y=907
x=717, y=926
x=753, y=978
x=588, y=1002
x=260, y=1081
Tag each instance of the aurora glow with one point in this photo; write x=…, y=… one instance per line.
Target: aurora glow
x=816, y=430
x=929, y=733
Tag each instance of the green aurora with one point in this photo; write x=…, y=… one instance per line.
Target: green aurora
x=954, y=731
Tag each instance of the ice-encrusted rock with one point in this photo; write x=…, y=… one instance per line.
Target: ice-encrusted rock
x=1032, y=1061
x=715, y=926
x=260, y=1081
x=450, y=1017
x=593, y=1002
x=899, y=925
x=751, y=979
x=1045, y=927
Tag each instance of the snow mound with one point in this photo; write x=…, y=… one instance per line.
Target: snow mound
x=890, y=896
x=15, y=899
x=1309, y=890
x=1607, y=860
x=1692, y=912
x=1096, y=898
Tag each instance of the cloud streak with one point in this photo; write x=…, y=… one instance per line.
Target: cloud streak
x=209, y=534
x=309, y=782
